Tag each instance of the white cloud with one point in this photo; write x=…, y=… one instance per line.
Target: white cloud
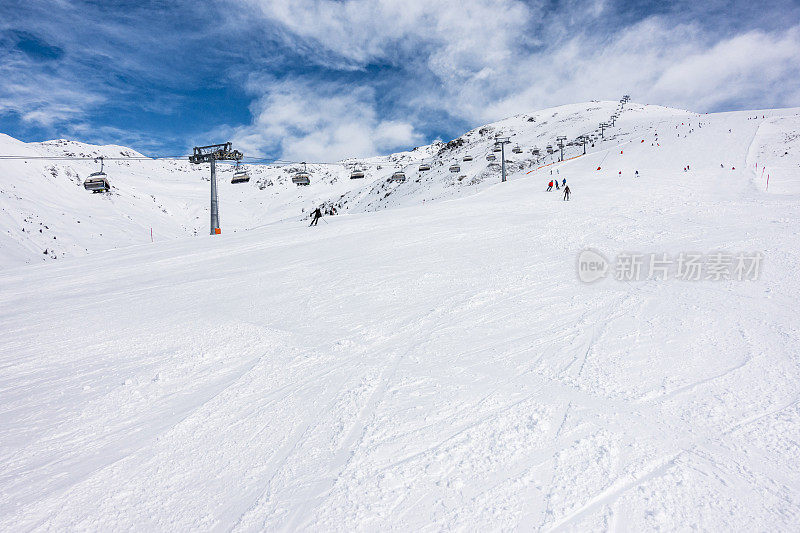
x=365, y=30
x=753, y=65
x=41, y=97
x=410, y=66
x=481, y=60
x=301, y=120
x=657, y=62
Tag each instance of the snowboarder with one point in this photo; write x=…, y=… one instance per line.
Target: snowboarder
x=550, y=186
x=566, y=193
x=317, y=215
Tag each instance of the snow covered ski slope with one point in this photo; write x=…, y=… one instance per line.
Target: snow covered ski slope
x=433, y=366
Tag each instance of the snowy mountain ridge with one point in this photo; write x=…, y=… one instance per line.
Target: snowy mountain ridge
x=45, y=213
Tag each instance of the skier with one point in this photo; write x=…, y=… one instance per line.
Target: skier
x=556, y=182
x=550, y=186
x=620, y=173
x=636, y=175
x=564, y=182
x=317, y=215
x=566, y=193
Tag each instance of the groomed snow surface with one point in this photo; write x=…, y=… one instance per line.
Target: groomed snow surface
x=437, y=366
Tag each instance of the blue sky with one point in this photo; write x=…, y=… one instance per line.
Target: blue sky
x=323, y=80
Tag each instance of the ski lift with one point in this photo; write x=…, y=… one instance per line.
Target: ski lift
x=549, y=149
x=455, y=168
x=399, y=176
x=356, y=174
x=239, y=175
x=490, y=157
x=467, y=158
x=97, y=181
x=424, y=166
x=536, y=151
x=302, y=177
x=517, y=150
x=497, y=148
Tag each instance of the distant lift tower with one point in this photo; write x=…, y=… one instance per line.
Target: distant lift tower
x=561, y=146
x=212, y=154
x=502, y=141
x=583, y=139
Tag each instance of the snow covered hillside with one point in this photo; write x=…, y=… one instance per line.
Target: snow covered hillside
x=45, y=213
x=436, y=365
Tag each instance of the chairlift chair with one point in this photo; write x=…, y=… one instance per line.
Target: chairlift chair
x=399, y=176
x=97, y=181
x=356, y=174
x=517, y=150
x=490, y=157
x=467, y=158
x=302, y=177
x=240, y=175
x=497, y=148
x=455, y=168
x=424, y=166
x=549, y=149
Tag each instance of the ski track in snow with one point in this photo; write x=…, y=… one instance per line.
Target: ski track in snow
x=429, y=367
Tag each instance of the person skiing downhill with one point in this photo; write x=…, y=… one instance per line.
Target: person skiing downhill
x=564, y=182
x=550, y=186
x=566, y=193
x=556, y=182
x=317, y=215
